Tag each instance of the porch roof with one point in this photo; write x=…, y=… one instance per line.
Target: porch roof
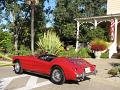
x=98, y=17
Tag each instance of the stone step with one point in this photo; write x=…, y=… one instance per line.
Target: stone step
x=116, y=55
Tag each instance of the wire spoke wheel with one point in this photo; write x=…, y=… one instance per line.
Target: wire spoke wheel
x=57, y=76
x=17, y=68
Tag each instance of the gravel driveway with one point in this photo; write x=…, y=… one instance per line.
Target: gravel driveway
x=102, y=66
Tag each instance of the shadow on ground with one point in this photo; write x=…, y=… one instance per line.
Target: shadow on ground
x=76, y=82
x=47, y=77
x=37, y=75
x=114, y=64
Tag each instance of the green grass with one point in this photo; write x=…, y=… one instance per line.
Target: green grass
x=4, y=64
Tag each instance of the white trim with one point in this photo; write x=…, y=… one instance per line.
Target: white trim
x=77, y=38
x=95, y=23
x=35, y=86
x=32, y=81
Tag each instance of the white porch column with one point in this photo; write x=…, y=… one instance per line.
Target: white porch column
x=115, y=38
x=113, y=46
x=77, y=38
x=95, y=23
x=116, y=25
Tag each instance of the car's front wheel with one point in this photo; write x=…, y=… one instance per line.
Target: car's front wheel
x=17, y=68
x=57, y=75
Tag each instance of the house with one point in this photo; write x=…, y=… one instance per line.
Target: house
x=112, y=17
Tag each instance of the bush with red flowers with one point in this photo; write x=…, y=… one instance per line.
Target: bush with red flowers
x=98, y=45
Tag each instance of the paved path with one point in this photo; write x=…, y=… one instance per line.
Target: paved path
x=11, y=81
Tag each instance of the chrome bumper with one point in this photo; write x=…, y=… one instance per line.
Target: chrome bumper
x=80, y=77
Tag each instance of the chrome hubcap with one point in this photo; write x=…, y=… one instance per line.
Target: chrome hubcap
x=17, y=67
x=56, y=75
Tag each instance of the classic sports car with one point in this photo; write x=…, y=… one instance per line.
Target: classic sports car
x=58, y=68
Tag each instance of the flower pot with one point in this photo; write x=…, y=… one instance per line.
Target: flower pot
x=97, y=54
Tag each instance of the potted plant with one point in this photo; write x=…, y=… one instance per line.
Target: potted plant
x=98, y=46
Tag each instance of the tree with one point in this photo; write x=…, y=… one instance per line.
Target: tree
x=32, y=3
x=17, y=15
x=6, y=41
x=65, y=13
x=87, y=34
x=11, y=7
x=67, y=10
x=89, y=8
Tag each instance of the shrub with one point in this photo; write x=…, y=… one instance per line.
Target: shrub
x=113, y=72
x=6, y=41
x=119, y=69
x=5, y=56
x=98, y=45
x=83, y=52
x=105, y=55
x=68, y=53
x=22, y=51
x=50, y=43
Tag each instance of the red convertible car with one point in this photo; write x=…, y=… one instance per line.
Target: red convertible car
x=58, y=68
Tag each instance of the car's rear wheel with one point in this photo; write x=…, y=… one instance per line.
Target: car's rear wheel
x=17, y=68
x=57, y=75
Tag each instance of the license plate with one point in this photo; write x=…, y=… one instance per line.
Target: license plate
x=87, y=70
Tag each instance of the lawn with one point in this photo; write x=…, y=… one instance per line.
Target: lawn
x=5, y=64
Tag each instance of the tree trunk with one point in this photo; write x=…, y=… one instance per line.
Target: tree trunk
x=15, y=33
x=32, y=26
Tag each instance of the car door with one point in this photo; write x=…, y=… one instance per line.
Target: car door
x=28, y=63
x=41, y=65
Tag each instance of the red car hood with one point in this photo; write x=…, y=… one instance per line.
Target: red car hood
x=79, y=62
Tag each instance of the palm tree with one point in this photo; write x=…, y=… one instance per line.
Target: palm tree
x=32, y=3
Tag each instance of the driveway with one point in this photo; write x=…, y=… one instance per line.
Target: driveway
x=28, y=81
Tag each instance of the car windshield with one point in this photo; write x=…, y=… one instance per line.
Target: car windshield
x=47, y=57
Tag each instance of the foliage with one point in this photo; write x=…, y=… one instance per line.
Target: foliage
x=5, y=56
x=98, y=45
x=90, y=7
x=105, y=55
x=6, y=41
x=69, y=53
x=114, y=71
x=22, y=51
x=5, y=64
x=64, y=14
x=67, y=10
x=19, y=23
x=83, y=52
x=97, y=33
x=87, y=34
x=50, y=43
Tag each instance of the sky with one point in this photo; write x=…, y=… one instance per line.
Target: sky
x=52, y=4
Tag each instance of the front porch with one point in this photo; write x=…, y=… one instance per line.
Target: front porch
x=114, y=46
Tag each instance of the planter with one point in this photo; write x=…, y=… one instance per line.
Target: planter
x=98, y=54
